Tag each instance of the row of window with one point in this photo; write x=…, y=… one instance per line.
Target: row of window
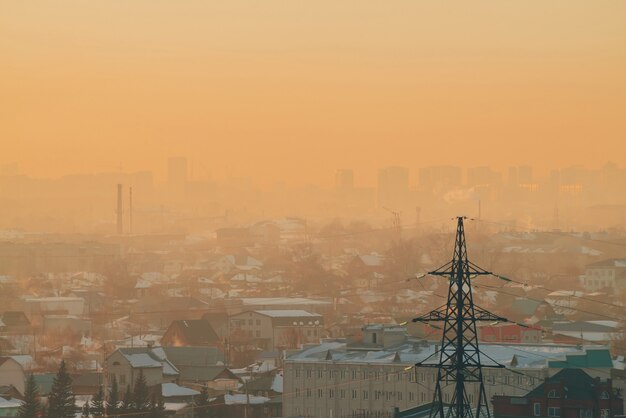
x=310, y=412
x=398, y=376
x=555, y=411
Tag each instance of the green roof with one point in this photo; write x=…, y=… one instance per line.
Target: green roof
x=592, y=358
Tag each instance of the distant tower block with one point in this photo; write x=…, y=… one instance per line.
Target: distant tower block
x=120, y=228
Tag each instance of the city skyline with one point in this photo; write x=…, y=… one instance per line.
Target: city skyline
x=265, y=90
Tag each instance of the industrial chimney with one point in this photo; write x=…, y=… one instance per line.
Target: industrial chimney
x=120, y=229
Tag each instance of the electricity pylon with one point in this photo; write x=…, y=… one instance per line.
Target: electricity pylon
x=459, y=356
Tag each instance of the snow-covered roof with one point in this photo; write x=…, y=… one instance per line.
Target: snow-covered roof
x=142, y=360
x=284, y=301
x=172, y=389
x=373, y=260
x=12, y=403
x=288, y=313
x=412, y=352
x=277, y=383
x=241, y=399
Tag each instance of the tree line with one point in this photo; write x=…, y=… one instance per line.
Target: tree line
x=136, y=401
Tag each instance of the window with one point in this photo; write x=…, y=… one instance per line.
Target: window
x=258, y=322
x=604, y=395
x=399, y=396
x=605, y=413
x=297, y=372
x=343, y=393
x=320, y=374
x=258, y=334
x=331, y=393
x=320, y=393
x=122, y=379
x=553, y=394
x=308, y=393
x=366, y=394
x=537, y=409
x=297, y=393
x=423, y=396
x=411, y=396
x=308, y=373
x=554, y=411
x=354, y=394
x=249, y=321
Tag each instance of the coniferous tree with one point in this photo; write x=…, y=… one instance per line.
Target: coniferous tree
x=97, y=403
x=61, y=399
x=86, y=410
x=141, y=394
x=127, y=403
x=113, y=401
x=202, y=401
x=31, y=408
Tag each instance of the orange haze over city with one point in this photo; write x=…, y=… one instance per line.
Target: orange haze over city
x=289, y=92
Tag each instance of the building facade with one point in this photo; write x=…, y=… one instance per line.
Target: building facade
x=373, y=377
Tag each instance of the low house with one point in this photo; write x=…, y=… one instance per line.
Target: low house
x=239, y=405
x=569, y=393
x=67, y=324
x=15, y=322
x=278, y=329
x=9, y=407
x=173, y=393
x=268, y=384
x=190, y=332
x=125, y=365
x=510, y=333
x=12, y=374
x=201, y=366
x=605, y=274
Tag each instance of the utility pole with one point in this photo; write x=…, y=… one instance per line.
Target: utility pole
x=397, y=227
x=130, y=210
x=120, y=228
x=459, y=356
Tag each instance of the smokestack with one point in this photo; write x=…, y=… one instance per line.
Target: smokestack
x=130, y=210
x=119, y=210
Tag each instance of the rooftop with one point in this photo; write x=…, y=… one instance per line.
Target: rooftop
x=533, y=356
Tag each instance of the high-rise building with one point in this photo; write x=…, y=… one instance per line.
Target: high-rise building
x=441, y=176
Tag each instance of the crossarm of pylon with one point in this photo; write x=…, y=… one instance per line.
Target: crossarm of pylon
x=496, y=365
x=438, y=314
x=444, y=270
x=474, y=269
x=484, y=315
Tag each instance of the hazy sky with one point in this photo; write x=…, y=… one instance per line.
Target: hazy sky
x=297, y=89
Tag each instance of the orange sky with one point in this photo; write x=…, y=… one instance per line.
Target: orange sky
x=295, y=89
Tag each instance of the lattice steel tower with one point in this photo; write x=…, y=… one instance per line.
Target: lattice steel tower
x=459, y=356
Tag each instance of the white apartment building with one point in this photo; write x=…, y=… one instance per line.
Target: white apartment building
x=336, y=379
x=606, y=274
